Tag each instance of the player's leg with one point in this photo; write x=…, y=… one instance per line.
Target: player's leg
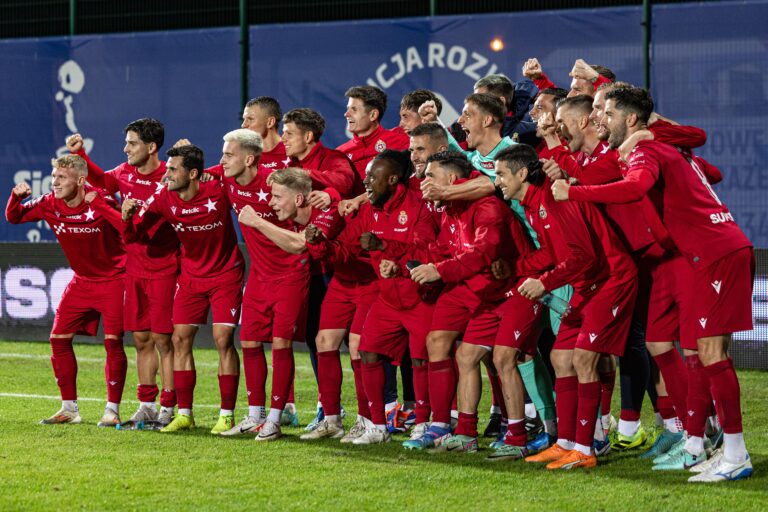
x=161, y=327
x=64, y=366
x=184, y=376
x=329, y=377
x=468, y=358
x=514, y=445
x=109, y=300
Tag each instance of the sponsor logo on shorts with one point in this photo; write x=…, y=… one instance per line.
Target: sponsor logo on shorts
x=592, y=337
x=614, y=310
x=717, y=218
x=583, y=422
x=517, y=335
x=703, y=322
x=716, y=285
x=275, y=398
x=233, y=311
x=691, y=413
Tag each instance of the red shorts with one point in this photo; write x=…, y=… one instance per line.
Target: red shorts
x=455, y=307
x=276, y=309
x=600, y=318
x=346, y=305
x=669, y=313
x=388, y=331
x=85, y=301
x=149, y=304
x=514, y=323
x=194, y=295
x=722, y=295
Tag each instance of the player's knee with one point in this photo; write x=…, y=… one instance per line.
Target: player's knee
x=504, y=360
x=162, y=342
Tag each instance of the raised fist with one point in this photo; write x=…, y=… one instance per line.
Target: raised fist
x=532, y=69
x=22, y=190
x=75, y=143
x=313, y=234
x=129, y=208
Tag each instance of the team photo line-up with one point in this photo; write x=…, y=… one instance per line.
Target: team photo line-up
x=544, y=235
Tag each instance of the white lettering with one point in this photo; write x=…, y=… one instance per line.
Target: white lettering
x=26, y=297
x=188, y=211
x=453, y=53
x=205, y=227
x=412, y=60
x=398, y=59
x=717, y=218
x=436, y=53
x=471, y=70
x=380, y=76
x=59, y=281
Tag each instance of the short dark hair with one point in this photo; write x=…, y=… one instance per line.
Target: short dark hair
x=523, y=155
x=453, y=161
x=488, y=104
x=401, y=161
x=557, y=92
x=499, y=85
x=414, y=99
x=148, y=130
x=269, y=105
x=434, y=131
x=372, y=97
x=191, y=157
x=306, y=120
x=604, y=71
x=633, y=100
x=581, y=103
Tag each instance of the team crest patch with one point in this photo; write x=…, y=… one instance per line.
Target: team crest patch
x=542, y=212
x=402, y=218
x=380, y=145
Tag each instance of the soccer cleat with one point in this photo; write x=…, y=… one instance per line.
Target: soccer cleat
x=456, y=443
x=406, y=418
x=682, y=460
x=494, y=424
x=289, y=418
x=324, y=429
x=601, y=448
x=144, y=414
x=109, y=419
x=663, y=444
x=572, y=460
x=716, y=439
x=552, y=453
x=713, y=460
x=356, y=431
x=533, y=427
x=397, y=419
x=319, y=417
x=248, y=425
x=652, y=435
x=180, y=422
x=61, y=417
x=270, y=431
x=624, y=443
x=225, y=422
x=508, y=452
x=609, y=426
x=418, y=430
x=674, y=451
x=724, y=471
x=373, y=435
x=542, y=442
x=499, y=442
x=430, y=439
x=165, y=416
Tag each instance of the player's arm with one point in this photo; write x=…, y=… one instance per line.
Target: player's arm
x=470, y=190
x=17, y=212
x=532, y=70
x=97, y=177
x=141, y=223
x=669, y=132
x=287, y=240
x=107, y=207
x=337, y=177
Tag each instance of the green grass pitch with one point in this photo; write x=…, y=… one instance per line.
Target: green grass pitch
x=82, y=467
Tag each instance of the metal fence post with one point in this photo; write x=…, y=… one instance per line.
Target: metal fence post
x=244, y=53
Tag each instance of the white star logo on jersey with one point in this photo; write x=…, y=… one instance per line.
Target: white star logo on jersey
x=592, y=337
x=89, y=214
x=517, y=335
x=262, y=195
x=59, y=228
x=211, y=205
x=287, y=162
x=716, y=285
x=703, y=322
x=614, y=310
x=160, y=186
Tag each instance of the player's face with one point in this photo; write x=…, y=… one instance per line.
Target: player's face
x=544, y=103
x=472, y=122
x=256, y=119
x=233, y=159
x=409, y=120
x=598, y=112
x=510, y=183
x=135, y=149
x=66, y=182
x=360, y=121
x=580, y=86
x=283, y=202
x=568, y=128
x=296, y=142
x=176, y=175
x=615, y=121
x=378, y=179
x=440, y=176
x=422, y=147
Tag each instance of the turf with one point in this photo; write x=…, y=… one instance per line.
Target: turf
x=70, y=467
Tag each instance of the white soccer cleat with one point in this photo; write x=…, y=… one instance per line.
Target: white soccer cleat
x=709, y=463
x=725, y=471
x=269, y=432
x=165, y=416
x=418, y=430
x=63, y=416
x=109, y=419
x=324, y=429
x=144, y=414
x=249, y=425
x=356, y=431
x=372, y=435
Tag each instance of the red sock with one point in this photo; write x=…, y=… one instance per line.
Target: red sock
x=168, y=398
x=629, y=415
x=64, y=367
x=666, y=409
x=329, y=380
x=516, y=435
x=255, y=369
x=724, y=386
x=467, y=425
x=455, y=399
x=586, y=416
x=607, y=383
x=699, y=397
x=228, y=385
x=498, y=395
x=362, y=402
x=373, y=382
x=147, y=392
x=291, y=398
x=442, y=389
x=283, y=369
x=185, y=381
x=566, y=404
x=115, y=369
x=672, y=368
x=421, y=389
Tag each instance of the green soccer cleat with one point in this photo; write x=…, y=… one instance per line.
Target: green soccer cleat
x=624, y=443
x=674, y=451
x=663, y=443
x=683, y=460
x=289, y=418
x=508, y=452
x=225, y=423
x=456, y=443
x=180, y=422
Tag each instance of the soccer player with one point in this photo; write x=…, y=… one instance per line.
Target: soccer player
x=365, y=108
x=211, y=275
x=409, y=108
x=586, y=78
x=151, y=267
x=96, y=290
x=578, y=247
x=718, y=301
x=517, y=123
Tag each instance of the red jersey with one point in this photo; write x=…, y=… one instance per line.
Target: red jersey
x=268, y=161
x=203, y=225
x=686, y=138
x=93, y=247
x=150, y=257
x=331, y=171
x=361, y=150
x=699, y=223
x=576, y=240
